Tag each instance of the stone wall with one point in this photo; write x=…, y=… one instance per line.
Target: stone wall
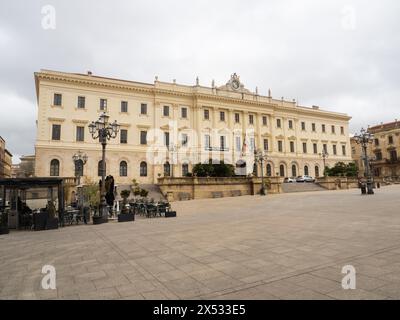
x=177, y=189
x=338, y=183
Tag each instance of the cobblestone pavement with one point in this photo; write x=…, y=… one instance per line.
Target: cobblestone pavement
x=288, y=246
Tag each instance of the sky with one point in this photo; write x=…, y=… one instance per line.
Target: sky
x=340, y=55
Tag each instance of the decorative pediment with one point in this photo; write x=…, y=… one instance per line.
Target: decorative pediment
x=234, y=85
x=166, y=127
x=281, y=136
x=183, y=128
x=292, y=138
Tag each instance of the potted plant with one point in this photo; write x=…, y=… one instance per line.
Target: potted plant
x=4, y=222
x=91, y=194
x=143, y=193
x=125, y=214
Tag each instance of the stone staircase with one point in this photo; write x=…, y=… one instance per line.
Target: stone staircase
x=301, y=187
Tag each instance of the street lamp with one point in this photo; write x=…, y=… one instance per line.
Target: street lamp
x=324, y=154
x=363, y=139
x=103, y=130
x=261, y=157
x=173, y=149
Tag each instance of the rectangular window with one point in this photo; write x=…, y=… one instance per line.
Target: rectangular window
x=206, y=114
x=315, y=148
x=207, y=141
x=304, y=147
x=237, y=117
x=390, y=138
x=313, y=127
x=252, y=144
x=81, y=102
x=278, y=123
x=323, y=128
x=238, y=144
x=334, y=149
x=124, y=106
x=251, y=119
x=222, y=143
x=341, y=130
x=280, y=146
x=343, y=150
x=222, y=116
x=325, y=147
x=303, y=126
x=166, y=111
x=376, y=141
x=184, y=139
x=290, y=124
x=80, y=133
x=291, y=146
x=57, y=100
x=333, y=129
x=143, y=108
x=378, y=156
x=184, y=113
x=393, y=155
x=103, y=104
x=266, y=144
x=143, y=137
x=56, y=132
x=166, y=139
x=124, y=136
x=264, y=120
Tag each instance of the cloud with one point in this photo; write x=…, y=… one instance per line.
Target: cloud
x=340, y=55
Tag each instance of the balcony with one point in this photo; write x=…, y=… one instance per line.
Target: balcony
x=218, y=149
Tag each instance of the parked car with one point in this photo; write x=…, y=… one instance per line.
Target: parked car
x=289, y=180
x=305, y=179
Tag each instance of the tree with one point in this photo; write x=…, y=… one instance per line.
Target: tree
x=214, y=170
x=341, y=169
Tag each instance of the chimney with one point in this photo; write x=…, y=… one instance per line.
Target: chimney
x=89, y=73
x=315, y=107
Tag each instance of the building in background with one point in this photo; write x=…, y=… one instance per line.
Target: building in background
x=24, y=169
x=5, y=160
x=166, y=128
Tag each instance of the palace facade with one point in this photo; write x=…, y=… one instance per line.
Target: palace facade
x=383, y=150
x=167, y=128
x=5, y=160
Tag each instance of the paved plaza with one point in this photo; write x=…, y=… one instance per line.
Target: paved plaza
x=287, y=246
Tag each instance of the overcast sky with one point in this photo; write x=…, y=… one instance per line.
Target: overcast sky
x=340, y=55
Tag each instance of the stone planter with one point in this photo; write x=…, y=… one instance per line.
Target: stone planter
x=170, y=214
x=4, y=230
x=125, y=217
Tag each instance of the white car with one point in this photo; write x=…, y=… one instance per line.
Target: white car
x=290, y=180
x=305, y=179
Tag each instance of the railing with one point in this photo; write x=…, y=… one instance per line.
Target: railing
x=216, y=149
x=70, y=181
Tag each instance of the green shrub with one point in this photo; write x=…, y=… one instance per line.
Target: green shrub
x=214, y=170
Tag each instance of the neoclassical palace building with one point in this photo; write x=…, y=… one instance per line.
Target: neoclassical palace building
x=166, y=128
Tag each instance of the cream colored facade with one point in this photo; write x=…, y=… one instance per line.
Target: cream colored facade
x=230, y=111
x=384, y=151
x=5, y=160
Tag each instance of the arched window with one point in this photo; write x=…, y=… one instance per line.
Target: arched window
x=269, y=170
x=143, y=169
x=294, y=171
x=99, y=169
x=167, y=169
x=185, y=169
x=79, y=168
x=306, y=170
x=54, y=168
x=255, y=169
x=282, y=170
x=316, y=171
x=123, y=169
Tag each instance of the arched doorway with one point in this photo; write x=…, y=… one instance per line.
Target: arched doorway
x=269, y=170
x=316, y=171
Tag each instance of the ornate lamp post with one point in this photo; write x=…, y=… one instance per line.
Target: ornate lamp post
x=173, y=149
x=324, y=154
x=260, y=157
x=103, y=130
x=363, y=139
